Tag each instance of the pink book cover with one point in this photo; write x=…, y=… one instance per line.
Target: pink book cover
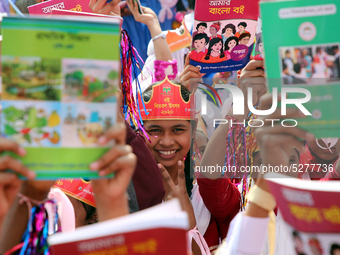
x=75, y=13
x=223, y=35
x=45, y=8
x=308, y=206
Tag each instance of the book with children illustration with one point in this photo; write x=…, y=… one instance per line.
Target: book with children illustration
x=59, y=96
x=303, y=54
x=224, y=34
x=311, y=221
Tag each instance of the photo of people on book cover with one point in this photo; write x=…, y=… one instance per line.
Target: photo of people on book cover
x=310, y=65
x=222, y=42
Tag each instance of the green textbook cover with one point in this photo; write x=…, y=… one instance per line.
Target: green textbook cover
x=59, y=86
x=301, y=41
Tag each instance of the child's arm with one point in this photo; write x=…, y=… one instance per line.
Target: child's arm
x=110, y=194
x=149, y=18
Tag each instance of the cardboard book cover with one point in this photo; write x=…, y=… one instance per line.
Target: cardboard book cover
x=224, y=34
x=59, y=91
x=302, y=53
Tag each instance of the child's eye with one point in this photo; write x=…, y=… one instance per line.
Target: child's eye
x=156, y=130
x=178, y=130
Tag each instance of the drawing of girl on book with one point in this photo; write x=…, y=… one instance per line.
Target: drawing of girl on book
x=228, y=31
x=229, y=44
x=215, y=52
x=214, y=28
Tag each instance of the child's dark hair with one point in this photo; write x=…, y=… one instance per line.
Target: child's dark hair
x=232, y=26
x=211, y=44
x=201, y=24
x=230, y=39
x=188, y=163
x=201, y=36
x=91, y=213
x=243, y=24
x=244, y=35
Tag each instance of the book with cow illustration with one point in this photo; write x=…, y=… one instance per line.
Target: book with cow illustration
x=58, y=96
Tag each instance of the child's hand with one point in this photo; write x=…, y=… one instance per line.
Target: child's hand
x=110, y=194
x=179, y=191
x=148, y=17
x=9, y=182
x=191, y=76
x=101, y=7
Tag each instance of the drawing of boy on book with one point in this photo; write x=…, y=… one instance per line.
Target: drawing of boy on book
x=242, y=29
x=199, y=30
x=200, y=41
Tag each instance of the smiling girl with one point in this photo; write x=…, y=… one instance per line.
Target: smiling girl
x=215, y=52
x=230, y=43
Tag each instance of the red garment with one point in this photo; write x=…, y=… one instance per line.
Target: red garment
x=196, y=56
x=238, y=33
x=222, y=199
x=147, y=179
x=308, y=159
x=217, y=36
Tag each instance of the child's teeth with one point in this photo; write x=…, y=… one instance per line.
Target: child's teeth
x=167, y=153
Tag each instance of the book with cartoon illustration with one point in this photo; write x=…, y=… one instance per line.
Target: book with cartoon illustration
x=311, y=220
x=144, y=232
x=224, y=34
x=46, y=7
x=59, y=91
x=303, y=54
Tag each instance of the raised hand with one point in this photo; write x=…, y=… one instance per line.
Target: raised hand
x=110, y=194
x=179, y=191
x=9, y=181
x=148, y=17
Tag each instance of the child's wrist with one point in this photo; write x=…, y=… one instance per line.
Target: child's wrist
x=154, y=30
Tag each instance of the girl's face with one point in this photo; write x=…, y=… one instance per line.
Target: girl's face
x=201, y=29
x=170, y=140
x=213, y=31
x=228, y=31
x=231, y=44
x=217, y=46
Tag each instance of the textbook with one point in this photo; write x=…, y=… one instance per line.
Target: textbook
x=46, y=7
x=303, y=54
x=59, y=91
x=81, y=14
x=224, y=34
x=311, y=212
x=159, y=230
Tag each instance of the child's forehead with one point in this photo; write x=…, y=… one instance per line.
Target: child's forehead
x=167, y=123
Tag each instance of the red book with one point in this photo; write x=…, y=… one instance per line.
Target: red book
x=46, y=7
x=146, y=232
x=311, y=211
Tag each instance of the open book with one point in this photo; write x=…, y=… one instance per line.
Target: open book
x=157, y=230
x=311, y=211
